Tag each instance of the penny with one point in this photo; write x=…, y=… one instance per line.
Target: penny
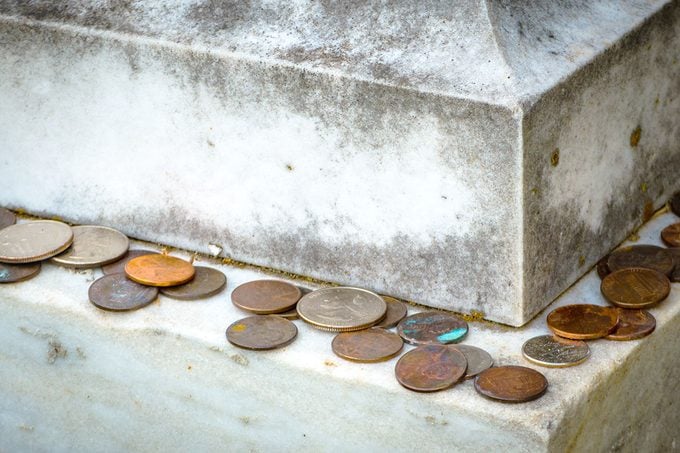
x=478, y=359
x=635, y=287
x=116, y=292
x=583, y=322
x=7, y=218
x=633, y=324
x=290, y=314
x=266, y=296
x=552, y=351
x=396, y=311
x=261, y=332
x=342, y=309
x=370, y=345
x=675, y=204
x=159, y=270
x=432, y=327
x=675, y=275
x=430, y=368
x=34, y=241
x=602, y=268
x=206, y=282
x=647, y=256
x=671, y=235
x=12, y=273
x=119, y=266
x=93, y=246
x=511, y=384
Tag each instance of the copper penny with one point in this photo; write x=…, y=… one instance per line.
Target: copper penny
x=675, y=275
x=12, y=273
x=119, y=266
x=675, y=204
x=7, y=218
x=34, y=241
x=430, y=368
x=266, y=296
x=511, y=384
x=92, y=246
x=432, y=327
x=159, y=270
x=290, y=314
x=671, y=235
x=633, y=324
x=370, y=345
x=553, y=351
x=261, y=332
x=602, y=268
x=396, y=311
x=342, y=309
x=206, y=282
x=478, y=359
x=635, y=287
x=116, y=292
x=583, y=321
x=647, y=256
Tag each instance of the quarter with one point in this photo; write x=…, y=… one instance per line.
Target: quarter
x=647, y=256
x=261, y=332
x=552, y=351
x=119, y=266
x=206, y=282
x=116, y=292
x=266, y=296
x=633, y=324
x=635, y=287
x=583, y=321
x=478, y=359
x=430, y=368
x=341, y=309
x=671, y=235
x=12, y=273
x=511, y=384
x=93, y=246
x=7, y=218
x=369, y=345
x=159, y=270
x=432, y=327
x=34, y=241
x=396, y=311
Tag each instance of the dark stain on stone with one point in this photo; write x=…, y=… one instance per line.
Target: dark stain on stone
x=55, y=351
x=635, y=136
x=555, y=157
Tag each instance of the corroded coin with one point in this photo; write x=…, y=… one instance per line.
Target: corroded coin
x=602, y=268
x=635, y=287
x=633, y=324
x=34, y=241
x=671, y=235
x=92, y=246
x=266, y=296
x=396, y=311
x=116, y=292
x=206, y=282
x=159, y=270
x=512, y=384
x=675, y=204
x=12, y=273
x=7, y=218
x=647, y=256
x=369, y=345
x=119, y=266
x=261, y=332
x=478, y=359
x=342, y=309
x=432, y=327
x=675, y=275
x=583, y=321
x=552, y=351
x=429, y=368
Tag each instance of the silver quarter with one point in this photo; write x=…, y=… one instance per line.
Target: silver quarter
x=342, y=309
x=34, y=241
x=551, y=351
x=93, y=246
x=478, y=359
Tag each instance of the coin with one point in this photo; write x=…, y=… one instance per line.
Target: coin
x=675, y=204
x=647, y=256
x=7, y=218
x=396, y=311
x=432, y=327
x=12, y=273
x=478, y=359
x=552, y=351
x=159, y=270
x=261, y=332
x=511, y=384
x=206, y=282
x=34, y=241
x=290, y=314
x=93, y=246
x=602, y=268
x=633, y=324
x=671, y=235
x=116, y=292
x=266, y=296
x=342, y=309
x=635, y=287
x=431, y=367
x=369, y=345
x=583, y=321
x=119, y=266
x=675, y=275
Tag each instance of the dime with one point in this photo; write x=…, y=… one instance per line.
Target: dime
x=432, y=327
x=159, y=270
x=552, y=351
x=671, y=235
x=675, y=275
x=635, y=287
x=7, y=218
x=647, y=256
x=675, y=204
x=429, y=368
x=396, y=311
x=93, y=246
x=583, y=322
x=511, y=384
x=370, y=345
x=633, y=324
x=34, y=241
x=478, y=359
x=266, y=296
x=602, y=268
x=261, y=332
x=12, y=273
x=119, y=266
x=116, y=292
x=206, y=282
x=342, y=309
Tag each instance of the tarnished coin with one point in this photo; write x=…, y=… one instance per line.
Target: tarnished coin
x=7, y=218
x=511, y=384
x=93, y=246
x=261, y=332
x=675, y=204
x=635, y=287
x=552, y=351
x=478, y=359
x=396, y=311
x=583, y=321
x=342, y=309
x=647, y=256
x=206, y=282
x=633, y=324
x=675, y=275
x=290, y=314
x=12, y=273
x=430, y=368
x=266, y=296
x=159, y=270
x=432, y=327
x=119, y=266
x=671, y=235
x=116, y=292
x=602, y=268
x=369, y=345
x=34, y=241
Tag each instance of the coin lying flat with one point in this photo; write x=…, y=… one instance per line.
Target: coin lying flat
x=675, y=275
x=290, y=314
x=478, y=359
x=34, y=241
x=432, y=327
x=602, y=268
x=635, y=287
x=206, y=282
x=266, y=296
x=675, y=204
x=342, y=309
x=261, y=332
x=633, y=324
x=159, y=270
x=7, y=218
x=116, y=292
x=369, y=345
x=671, y=235
x=119, y=266
x=430, y=368
x=552, y=351
x=93, y=246
x=647, y=256
x=396, y=311
x=12, y=273
x=583, y=321
x=512, y=384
